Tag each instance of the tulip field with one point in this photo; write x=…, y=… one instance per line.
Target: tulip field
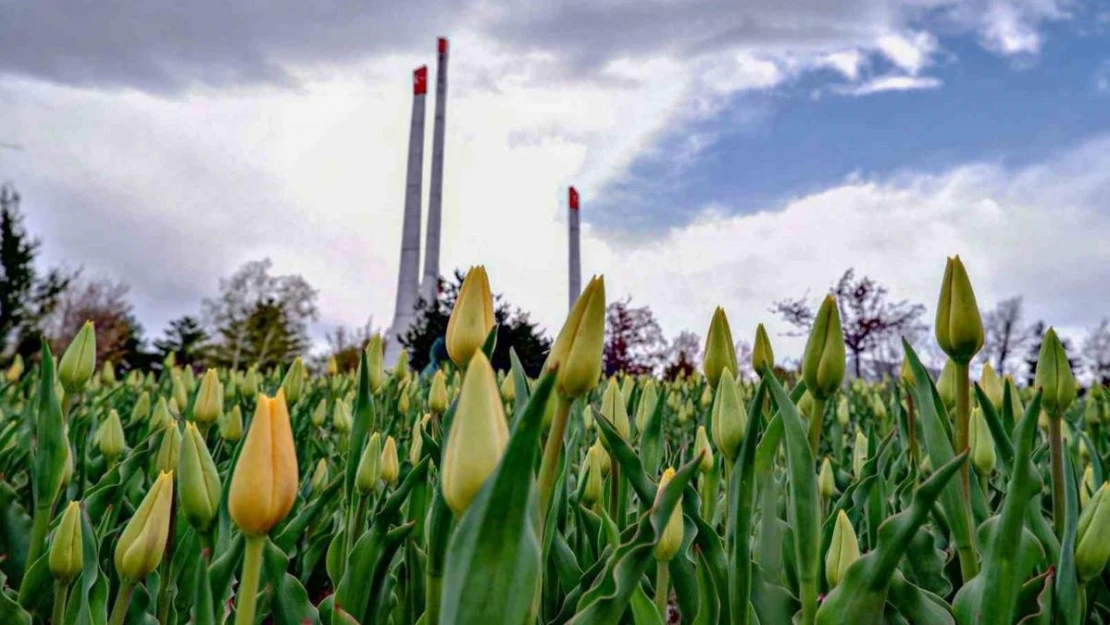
x=465, y=495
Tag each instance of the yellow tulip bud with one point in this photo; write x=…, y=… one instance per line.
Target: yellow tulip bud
x=602, y=457
x=720, y=351
x=161, y=417
x=264, y=483
x=670, y=541
x=992, y=385
x=370, y=466
x=843, y=550
x=67, y=556
x=209, y=404
x=169, y=450
x=140, y=546
x=843, y=413
x=341, y=417
x=109, y=437
x=762, y=353
x=390, y=466
x=591, y=470
x=859, y=454
x=478, y=436
x=1092, y=548
x=332, y=367
x=959, y=328
x=1054, y=375
x=508, y=389
x=180, y=395
x=250, y=383
x=141, y=409
x=15, y=370
x=644, y=411
x=824, y=359
x=401, y=367
x=232, y=428
x=981, y=444
x=199, y=483
x=576, y=354
x=108, y=373
x=729, y=417
x=471, y=317
x=79, y=360
x=946, y=385
x=375, y=361
x=612, y=408
x=701, y=446
x=826, y=482
x=416, y=447
x=437, y=393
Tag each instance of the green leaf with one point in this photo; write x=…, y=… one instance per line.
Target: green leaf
x=289, y=604
x=651, y=440
x=742, y=497
x=643, y=609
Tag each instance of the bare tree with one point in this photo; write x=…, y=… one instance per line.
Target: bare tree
x=868, y=318
x=1096, y=351
x=634, y=342
x=104, y=302
x=744, y=359
x=346, y=344
x=1005, y=335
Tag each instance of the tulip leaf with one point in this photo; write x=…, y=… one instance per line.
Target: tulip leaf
x=15, y=533
x=651, y=440
x=203, y=610
x=493, y=565
x=1066, y=593
x=361, y=426
x=919, y=606
x=289, y=604
x=643, y=609
x=741, y=484
x=521, y=392
x=632, y=469
x=10, y=610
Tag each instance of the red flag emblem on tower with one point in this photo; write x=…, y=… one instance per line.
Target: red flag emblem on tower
x=420, y=80
x=442, y=45
x=573, y=199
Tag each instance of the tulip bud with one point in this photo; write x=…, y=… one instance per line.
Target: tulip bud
x=1015, y=398
x=1054, y=375
x=576, y=354
x=992, y=385
x=320, y=413
x=390, y=467
x=141, y=410
x=508, y=389
x=627, y=386
x=878, y=406
x=602, y=457
x=370, y=466
x=706, y=399
x=648, y=400
x=823, y=362
x=320, y=475
x=401, y=367
x=332, y=367
x=905, y=373
x=843, y=550
x=981, y=443
x=341, y=417
x=826, y=482
x=762, y=354
x=946, y=385
x=109, y=437
x=612, y=408
x=198, y=481
x=1092, y=547
x=959, y=328
x=375, y=358
x=416, y=446
x=729, y=417
x=250, y=383
x=169, y=450
x=843, y=413
x=806, y=405
x=108, y=373
x=79, y=360
x=720, y=351
x=67, y=556
x=471, y=317
x=670, y=541
x=478, y=436
x=264, y=483
x=1087, y=486
x=294, y=381
x=141, y=545
x=859, y=454
x=209, y=403
x=437, y=394
x=591, y=469
x=16, y=369
x=701, y=446
x=232, y=428
x=67, y=469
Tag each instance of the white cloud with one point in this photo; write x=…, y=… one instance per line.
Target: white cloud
x=911, y=51
x=889, y=83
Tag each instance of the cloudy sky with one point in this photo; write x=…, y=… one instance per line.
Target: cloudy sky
x=727, y=152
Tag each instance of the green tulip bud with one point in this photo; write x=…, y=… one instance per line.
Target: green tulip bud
x=701, y=447
x=141, y=409
x=576, y=354
x=143, y=541
x=250, y=383
x=992, y=385
x=232, y=428
x=959, y=328
x=859, y=454
x=189, y=380
x=762, y=353
x=591, y=469
x=416, y=446
x=670, y=540
x=319, y=475
x=843, y=414
x=905, y=373
x=199, y=485
x=109, y=437
x=320, y=413
x=843, y=550
x=627, y=386
x=79, y=360
x=169, y=450
x=826, y=482
x=649, y=398
x=1054, y=375
x=180, y=393
x=981, y=444
x=478, y=438
x=720, y=351
x=294, y=381
x=823, y=362
x=729, y=417
x=341, y=417
x=437, y=393
x=209, y=403
x=947, y=385
x=67, y=555
x=161, y=416
x=1092, y=546
x=391, y=468
x=375, y=359
x=806, y=405
x=108, y=373
x=370, y=466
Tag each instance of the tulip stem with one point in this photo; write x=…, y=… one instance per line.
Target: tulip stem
x=816, y=423
x=1056, y=451
x=248, y=588
x=551, y=451
x=662, y=586
x=969, y=565
x=911, y=427
x=38, y=535
x=123, y=601
x=61, y=589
